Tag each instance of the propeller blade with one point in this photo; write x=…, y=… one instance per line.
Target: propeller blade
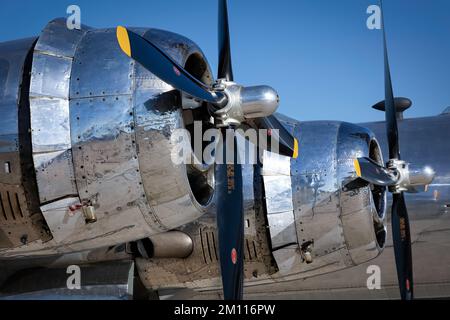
x=161, y=65
x=230, y=221
x=400, y=221
x=372, y=172
x=402, y=246
x=288, y=144
x=225, y=68
x=390, y=113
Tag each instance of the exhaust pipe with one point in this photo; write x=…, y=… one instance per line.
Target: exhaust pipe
x=172, y=244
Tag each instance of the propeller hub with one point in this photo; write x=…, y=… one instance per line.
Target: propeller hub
x=411, y=178
x=244, y=103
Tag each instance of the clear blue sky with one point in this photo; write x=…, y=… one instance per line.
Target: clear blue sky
x=318, y=54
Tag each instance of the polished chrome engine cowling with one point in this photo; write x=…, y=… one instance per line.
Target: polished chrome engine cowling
x=21, y=221
x=317, y=224
x=101, y=129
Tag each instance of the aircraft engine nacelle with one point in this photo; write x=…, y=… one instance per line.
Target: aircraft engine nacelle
x=328, y=219
x=304, y=217
x=98, y=135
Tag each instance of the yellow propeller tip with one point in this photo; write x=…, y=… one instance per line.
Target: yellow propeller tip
x=295, y=155
x=124, y=40
x=357, y=167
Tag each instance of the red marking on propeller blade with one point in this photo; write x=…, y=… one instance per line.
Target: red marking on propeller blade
x=234, y=256
x=177, y=72
x=269, y=132
x=407, y=285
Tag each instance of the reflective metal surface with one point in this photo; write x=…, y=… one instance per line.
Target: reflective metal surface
x=20, y=219
x=259, y=101
x=102, y=281
x=201, y=268
x=430, y=220
x=172, y=244
x=315, y=227
x=336, y=226
x=49, y=110
x=157, y=115
x=51, y=167
x=424, y=142
x=279, y=202
x=101, y=128
x=244, y=102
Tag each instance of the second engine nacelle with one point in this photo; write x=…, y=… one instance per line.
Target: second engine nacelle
x=324, y=225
